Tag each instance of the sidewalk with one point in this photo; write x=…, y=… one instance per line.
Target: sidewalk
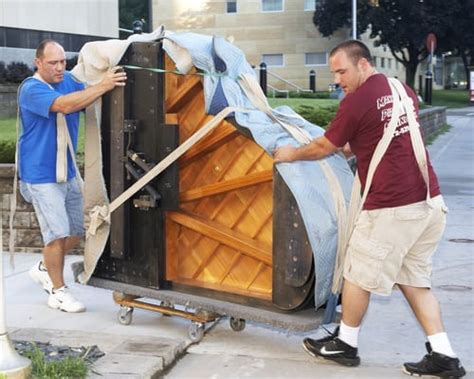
x=152, y=342
x=390, y=334
x=140, y=350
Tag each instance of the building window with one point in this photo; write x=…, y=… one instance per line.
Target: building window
x=397, y=65
x=272, y=5
x=389, y=61
x=273, y=60
x=231, y=6
x=316, y=59
x=382, y=62
x=374, y=59
x=309, y=5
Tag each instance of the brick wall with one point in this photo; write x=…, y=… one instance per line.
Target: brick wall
x=25, y=223
x=432, y=119
x=28, y=234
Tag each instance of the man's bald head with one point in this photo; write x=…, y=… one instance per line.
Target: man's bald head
x=50, y=61
x=42, y=46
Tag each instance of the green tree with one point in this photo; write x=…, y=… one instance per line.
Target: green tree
x=401, y=25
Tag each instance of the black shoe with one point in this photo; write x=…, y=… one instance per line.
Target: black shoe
x=333, y=349
x=435, y=364
x=329, y=337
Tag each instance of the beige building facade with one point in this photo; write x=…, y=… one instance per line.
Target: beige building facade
x=280, y=33
x=24, y=23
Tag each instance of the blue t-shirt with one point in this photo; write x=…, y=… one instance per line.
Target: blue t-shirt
x=38, y=145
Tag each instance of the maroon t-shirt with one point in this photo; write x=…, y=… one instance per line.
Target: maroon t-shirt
x=360, y=120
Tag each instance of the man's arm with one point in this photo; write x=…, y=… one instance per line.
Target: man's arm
x=318, y=148
x=346, y=150
x=76, y=101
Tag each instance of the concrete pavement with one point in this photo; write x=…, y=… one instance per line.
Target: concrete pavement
x=390, y=334
x=154, y=345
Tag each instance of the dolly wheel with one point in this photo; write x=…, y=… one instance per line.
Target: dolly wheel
x=125, y=315
x=237, y=324
x=196, y=331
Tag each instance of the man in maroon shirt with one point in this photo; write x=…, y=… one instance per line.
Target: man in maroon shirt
x=399, y=227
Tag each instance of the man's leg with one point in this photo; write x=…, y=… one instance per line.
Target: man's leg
x=425, y=307
x=53, y=258
x=72, y=242
x=341, y=347
x=441, y=360
x=355, y=302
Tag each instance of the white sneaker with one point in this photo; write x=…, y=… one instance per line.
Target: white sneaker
x=40, y=275
x=63, y=300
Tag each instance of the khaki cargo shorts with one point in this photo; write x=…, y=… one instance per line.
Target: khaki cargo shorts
x=394, y=246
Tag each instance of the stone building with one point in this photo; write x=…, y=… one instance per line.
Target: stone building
x=280, y=33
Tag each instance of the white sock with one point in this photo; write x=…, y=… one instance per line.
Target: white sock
x=349, y=334
x=440, y=343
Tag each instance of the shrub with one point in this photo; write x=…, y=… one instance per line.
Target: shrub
x=321, y=116
x=7, y=151
x=310, y=95
x=17, y=72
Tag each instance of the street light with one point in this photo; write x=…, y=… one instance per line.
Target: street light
x=354, y=19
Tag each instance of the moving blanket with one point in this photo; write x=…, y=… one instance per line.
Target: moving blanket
x=224, y=64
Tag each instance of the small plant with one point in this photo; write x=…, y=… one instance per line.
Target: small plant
x=7, y=151
x=69, y=367
x=444, y=129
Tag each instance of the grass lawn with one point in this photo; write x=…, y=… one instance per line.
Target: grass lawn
x=448, y=98
x=8, y=131
x=451, y=98
x=8, y=126
x=294, y=103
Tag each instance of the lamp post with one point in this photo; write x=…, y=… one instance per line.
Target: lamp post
x=431, y=47
x=11, y=363
x=354, y=19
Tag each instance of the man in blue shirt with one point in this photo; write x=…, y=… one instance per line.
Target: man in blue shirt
x=48, y=181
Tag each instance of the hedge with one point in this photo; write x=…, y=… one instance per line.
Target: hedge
x=321, y=116
x=7, y=151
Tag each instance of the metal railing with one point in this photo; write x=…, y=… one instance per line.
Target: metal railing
x=263, y=72
x=286, y=81
x=276, y=90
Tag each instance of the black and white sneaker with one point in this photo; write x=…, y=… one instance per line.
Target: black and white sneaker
x=435, y=364
x=332, y=348
x=330, y=336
